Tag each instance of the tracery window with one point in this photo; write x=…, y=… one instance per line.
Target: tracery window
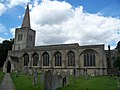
x=71, y=59
x=35, y=59
x=58, y=59
x=45, y=59
x=89, y=58
x=26, y=59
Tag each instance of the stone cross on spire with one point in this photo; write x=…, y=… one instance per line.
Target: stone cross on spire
x=26, y=20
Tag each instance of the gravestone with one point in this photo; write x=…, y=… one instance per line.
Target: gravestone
x=35, y=77
x=55, y=80
x=42, y=76
x=26, y=70
x=74, y=72
x=85, y=72
x=17, y=72
x=48, y=80
x=64, y=81
x=30, y=71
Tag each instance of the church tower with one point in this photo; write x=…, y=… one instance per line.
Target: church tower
x=24, y=36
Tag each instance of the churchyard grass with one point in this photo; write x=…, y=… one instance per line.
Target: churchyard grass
x=92, y=83
x=24, y=82
x=1, y=76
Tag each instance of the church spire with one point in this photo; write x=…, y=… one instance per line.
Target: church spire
x=26, y=19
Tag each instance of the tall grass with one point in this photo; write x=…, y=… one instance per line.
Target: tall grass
x=1, y=76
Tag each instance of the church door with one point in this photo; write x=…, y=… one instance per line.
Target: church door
x=8, y=67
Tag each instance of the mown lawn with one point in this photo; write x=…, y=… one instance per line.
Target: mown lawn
x=23, y=82
x=1, y=76
x=92, y=83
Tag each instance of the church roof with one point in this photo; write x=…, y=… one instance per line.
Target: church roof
x=58, y=46
x=26, y=19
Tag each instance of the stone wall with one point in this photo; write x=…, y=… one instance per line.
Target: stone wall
x=63, y=49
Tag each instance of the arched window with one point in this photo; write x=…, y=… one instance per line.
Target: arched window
x=45, y=59
x=89, y=58
x=58, y=59
x=71, y=58
x=35, y=59
x=26, y=59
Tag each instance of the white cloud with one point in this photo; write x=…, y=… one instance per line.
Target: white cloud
x=3, y=29
x=2, y=8
x=57, y=22
x=1, y=39
x=19, y=17
x=51, y=12
x=12, y=30
x=12, y=3
x=8, y=4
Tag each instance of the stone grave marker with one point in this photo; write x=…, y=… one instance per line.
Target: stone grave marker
x=25, y=71
x=48, y=80
x=55, y=80
x=65, y=78
x=42, y=76
x=64, y=81
x=30, y=71
x=35, y=76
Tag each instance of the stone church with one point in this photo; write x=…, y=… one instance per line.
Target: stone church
x=89, y=59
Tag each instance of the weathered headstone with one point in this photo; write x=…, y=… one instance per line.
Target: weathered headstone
x=17, y=73
x=26, y=70
x=64, y=81
x=86, y=76
x=68, y=73
x=30, y=71
x=48, y=80
x=64, y=78
x=55, y=80
x=35, y=77
x=42, y=76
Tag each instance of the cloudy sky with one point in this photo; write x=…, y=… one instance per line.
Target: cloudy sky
x=86, y=22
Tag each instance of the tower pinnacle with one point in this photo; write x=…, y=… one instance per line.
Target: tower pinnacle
x=26, y=19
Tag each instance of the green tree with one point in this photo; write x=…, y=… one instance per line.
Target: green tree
x=4, y=47
x=117, y=63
